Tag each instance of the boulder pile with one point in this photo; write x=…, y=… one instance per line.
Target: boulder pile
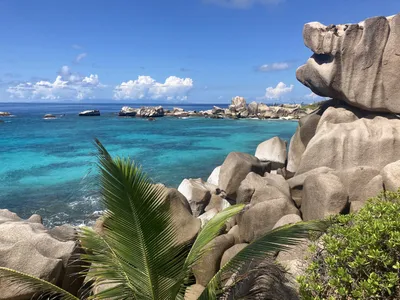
x=343, y=153
x=237, y=110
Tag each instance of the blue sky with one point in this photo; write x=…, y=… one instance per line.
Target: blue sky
x=198, y=51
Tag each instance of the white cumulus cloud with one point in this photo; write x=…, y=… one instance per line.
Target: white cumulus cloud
x=242, y=4
x=278, y=91
x=67, y=85
x=314, y=97
x=278, y=66
x=79, y=57
x=145, y=87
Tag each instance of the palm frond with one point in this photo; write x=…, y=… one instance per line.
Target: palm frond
x=280, y=239
x=26, y=281
x=210, y=231
x=138, y=249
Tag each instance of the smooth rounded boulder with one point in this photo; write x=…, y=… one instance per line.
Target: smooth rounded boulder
x=323, y=195
x=304, y=133
x=391, y=176
x=196, y=193
x=286, y=220
x=273, y=150
x=255, y=188
x=214, y=176
x=187, y=226
x=218, y=203
x=209, y=263
x=235, y=169
x=29, y=247
x=253, y=108
x=260, y=218
x=342, y=143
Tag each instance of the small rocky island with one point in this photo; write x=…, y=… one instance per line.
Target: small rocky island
x=238, y=109
x=90, y=113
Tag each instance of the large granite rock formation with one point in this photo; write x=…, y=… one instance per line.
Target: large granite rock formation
x=357, y=63
x=27, y=246
x=346, y=137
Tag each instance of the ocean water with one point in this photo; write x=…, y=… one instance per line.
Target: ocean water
x=49, y=166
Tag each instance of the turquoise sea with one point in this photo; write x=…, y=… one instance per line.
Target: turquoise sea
x=48, y=166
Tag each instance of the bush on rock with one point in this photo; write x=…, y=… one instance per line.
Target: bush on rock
x=359, y=257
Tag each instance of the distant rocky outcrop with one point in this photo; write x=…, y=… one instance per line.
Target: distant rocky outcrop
x=49, y=117
x=90, y=113
x=127, y=111
x=4, y=114
x=149, y=111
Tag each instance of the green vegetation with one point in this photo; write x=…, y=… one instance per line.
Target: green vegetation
x=137, y=257
x=360, y=256
x=312, y=106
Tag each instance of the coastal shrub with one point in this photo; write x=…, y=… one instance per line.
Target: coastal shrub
x=359, y=256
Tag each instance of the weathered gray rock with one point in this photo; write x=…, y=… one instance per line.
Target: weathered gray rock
x=356, y=63
x=286, y=220
x=28, y=247
x=207, y=216
x=356, y=181
x=218, y=203
x=234, y=231
x=253, y=108
x=234, y=169
x=262, y=217
x=231, y=253
x=355, y=206
x=243, y=113
x=367, y=141
x=263, y=108
x=148, y=111
x=298, y=252
x=217, y=110
x=296, y=183
x=255, y=189
x=298, y=143
x=391, y=176
x=196, y=193
x=373, y=188
x=214, y=176
x=323, y=195
x=210, y=262
x=127, y=111
x=186, y=224
x=273, y=150
x=238, y=103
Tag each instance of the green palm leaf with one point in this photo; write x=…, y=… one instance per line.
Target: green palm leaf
x=210, y=231
x=280, y=239
x=26, y=281
x=138, y=250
